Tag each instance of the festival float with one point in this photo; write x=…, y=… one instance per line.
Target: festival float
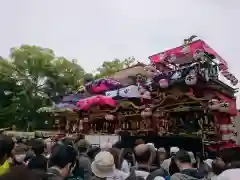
x=177, y=97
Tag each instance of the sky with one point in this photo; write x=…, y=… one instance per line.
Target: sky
x=94, y=31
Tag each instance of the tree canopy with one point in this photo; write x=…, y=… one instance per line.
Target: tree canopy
x=33, y=77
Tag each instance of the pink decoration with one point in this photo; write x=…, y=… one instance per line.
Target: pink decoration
x=163, y=83
x=85, y=104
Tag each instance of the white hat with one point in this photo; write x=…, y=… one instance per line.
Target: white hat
x=161, y=149
x=191, y=155
x=103, y=165
x=174, y=150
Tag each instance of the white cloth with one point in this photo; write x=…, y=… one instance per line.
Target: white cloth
x=174, y=150
x=230, y=174
x=131, y=91
x=118, y=175
x=143, y=174
x=166, y=163
x=125, y=167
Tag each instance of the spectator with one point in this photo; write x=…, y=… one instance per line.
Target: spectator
x=39, y=161
x=218, y=166
x=158, y=174
x=84, y=161
x=184, y=163
x=103, y=167
x=62, y=161
x=6, y=148
x=21, y=172
x=93, y=151
x=118, y=165
x=166, y=163
x=143, y=155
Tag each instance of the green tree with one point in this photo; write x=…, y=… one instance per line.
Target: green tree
x=33, y=77
x=108, y=68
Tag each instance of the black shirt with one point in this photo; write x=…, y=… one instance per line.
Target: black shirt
x=38, y=162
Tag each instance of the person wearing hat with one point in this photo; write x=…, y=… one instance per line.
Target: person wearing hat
x=103, y=167
x=166, y=163
x=83, y=160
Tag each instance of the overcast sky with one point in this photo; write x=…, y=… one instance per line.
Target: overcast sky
x=94, y=31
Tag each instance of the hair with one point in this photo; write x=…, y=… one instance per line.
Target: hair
x=116, y=155
x=38, y=147
x=183, y=157
x=218, y=166
x=6, y=146
x=62, y=155
x=93, y=151
x=144, y=157
x=20, y=172
x=139, y=141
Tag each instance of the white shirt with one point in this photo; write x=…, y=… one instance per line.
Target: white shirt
x=230, y=174
x=125, y=167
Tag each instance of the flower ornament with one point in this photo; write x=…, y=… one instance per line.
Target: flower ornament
x=214, y=104
x=224, y=107
x=191, y=79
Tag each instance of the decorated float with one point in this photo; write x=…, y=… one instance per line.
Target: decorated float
x=178, y=95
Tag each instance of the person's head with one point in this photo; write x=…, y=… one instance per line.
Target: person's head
x=162, y=155
x=93, y=151
x=183, y=159
x=116, y=155
x=22, y=173
x=173, y=151
x=82, y=145
x=218, y=166
x=103, y=165
x=142, y=153
x=38, y=147
x=139, y=141
x=6, y=147
x=64, y=158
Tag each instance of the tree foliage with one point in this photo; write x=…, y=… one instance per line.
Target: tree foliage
x=108, y=68
x=33, y=77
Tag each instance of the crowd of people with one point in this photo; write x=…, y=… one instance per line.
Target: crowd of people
x=77, y=159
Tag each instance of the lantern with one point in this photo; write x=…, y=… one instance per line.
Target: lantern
x=163, y=83
x=191, y=79
x=109, y=117
x=146, y=113
x=226, y=137
x=224, y=107
x=223, y=128
x=146, y=95
x=214, y=104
